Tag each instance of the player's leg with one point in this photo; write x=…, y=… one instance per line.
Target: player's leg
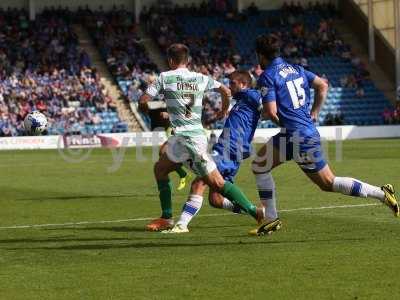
x=162, y=168
x=271, y=155
x=327, y=181
x=194, y=203
x=228, y=169
x=232, y=192
x=191, y=207
x=183, y=175
x=268, y=157
x=204, y=167
x=312, y=162
x=216, y=200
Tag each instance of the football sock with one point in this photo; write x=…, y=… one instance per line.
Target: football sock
x=353, y=187
x=165, y=188
x=266, y=191
x=181, y=172
x=228, y=205
x=190, y=209
x=234, y=194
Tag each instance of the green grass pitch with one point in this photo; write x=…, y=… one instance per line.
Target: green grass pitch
x=335, y=253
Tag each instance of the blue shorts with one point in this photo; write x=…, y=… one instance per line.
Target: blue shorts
x=304, y=148
x=228, y=168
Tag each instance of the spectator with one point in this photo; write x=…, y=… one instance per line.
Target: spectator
x=396, y=113
x=387, y=116
x=360, y=91
x=344, y=81
x=43, y=68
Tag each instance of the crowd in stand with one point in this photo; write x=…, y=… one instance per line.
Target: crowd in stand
x=115, y=34
x=218, y=55
x=333, y=119
x=357, y=79
x=215, y=54
x=392, y=116
x=42, y=68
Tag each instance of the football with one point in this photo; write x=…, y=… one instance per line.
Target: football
x=35, y=123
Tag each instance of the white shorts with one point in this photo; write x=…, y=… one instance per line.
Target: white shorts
x=192, y=152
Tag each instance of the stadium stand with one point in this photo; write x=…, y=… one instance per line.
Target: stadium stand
x=42, y=68
x=115, y=34
x=61, y=81
x=221, y=41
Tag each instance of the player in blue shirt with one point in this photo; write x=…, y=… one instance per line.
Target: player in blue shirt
x=233, y=146
x=285, y=91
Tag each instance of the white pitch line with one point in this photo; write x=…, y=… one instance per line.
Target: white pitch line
x=330, y=207
x=151, y=218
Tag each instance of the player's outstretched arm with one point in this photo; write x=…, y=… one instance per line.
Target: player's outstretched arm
x=320, y=86
x=226, y=96
x=270, y=112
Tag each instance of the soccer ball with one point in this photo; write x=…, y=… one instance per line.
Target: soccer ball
x=35, y=123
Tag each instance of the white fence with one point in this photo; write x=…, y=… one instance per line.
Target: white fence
x=133, y=139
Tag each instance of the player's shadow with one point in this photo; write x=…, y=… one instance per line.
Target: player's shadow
x=65, y=239
x=87, y=197
x=134, y=228
x=156, y=244
x=57, y=240
x=219, y=226
x=113, y=228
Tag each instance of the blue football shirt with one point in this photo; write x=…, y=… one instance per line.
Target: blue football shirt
x=288, y=85
x=235, y=139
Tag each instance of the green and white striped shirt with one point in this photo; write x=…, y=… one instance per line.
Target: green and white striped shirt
x=183, y=93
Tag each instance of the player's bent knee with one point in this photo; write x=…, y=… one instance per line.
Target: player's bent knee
x=323, y=178
x=197, y=187
x=219, y=184
x=215, y=181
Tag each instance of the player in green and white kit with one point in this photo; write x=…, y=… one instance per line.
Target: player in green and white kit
x=183, y=92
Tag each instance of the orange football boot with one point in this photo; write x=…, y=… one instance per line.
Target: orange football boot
x=160, y=224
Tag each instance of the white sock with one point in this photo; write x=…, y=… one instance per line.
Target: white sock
x=190, y=209
x=228, y=205
x=266, y=191
x=354, y=187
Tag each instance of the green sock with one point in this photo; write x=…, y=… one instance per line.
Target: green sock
x=234, y=194
x=165, y=189
x=181, y=172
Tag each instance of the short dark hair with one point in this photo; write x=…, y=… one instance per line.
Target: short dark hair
x=268, y=46
x=242, y=76
x=178, y=53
